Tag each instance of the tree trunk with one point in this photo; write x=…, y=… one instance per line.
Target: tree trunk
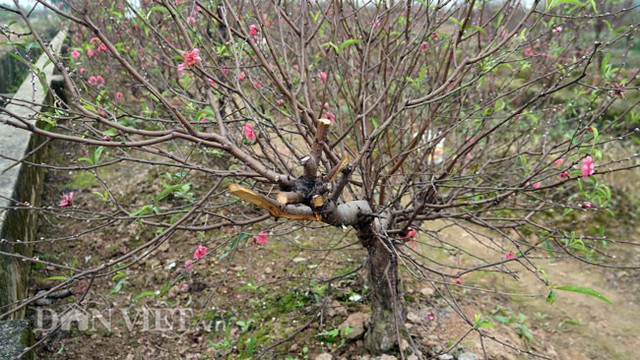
x=387, y=308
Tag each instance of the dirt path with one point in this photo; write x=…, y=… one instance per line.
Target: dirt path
x=576, y=326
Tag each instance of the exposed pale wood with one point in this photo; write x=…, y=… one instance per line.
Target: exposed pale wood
x=336, y=170
x=289, y=197
x=317, y=201
x=272, y=206
x=311, y=166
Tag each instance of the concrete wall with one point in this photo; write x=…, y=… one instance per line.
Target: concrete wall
x=20, y=183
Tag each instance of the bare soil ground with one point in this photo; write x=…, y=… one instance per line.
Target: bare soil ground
x=252, y=296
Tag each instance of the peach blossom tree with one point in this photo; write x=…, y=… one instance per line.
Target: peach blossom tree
x=373, y=117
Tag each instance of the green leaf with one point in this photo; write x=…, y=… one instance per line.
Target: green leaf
x=118, y=286
x=103, y=196
x=171, y=189
x=157, y=8
x=95, y=156
x=331, y=44
x=544, y=276
x=585, y=291
x=33, y=45
x=349, y=42
x=553, y=3
x=477, y=28
x=551, y=297
x=482, y=322
x=347, y=330
x=60, y=277
x=145, y=210
x=145, y=294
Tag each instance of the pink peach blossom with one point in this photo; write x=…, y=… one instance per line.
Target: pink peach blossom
x=75, y=54
x=247, y=130
x=67, y=200
x=253, y=31
x=191, y=59
x=90, y=52
x=323, y=76
x=588, y=167
x=242, y=75
x=261, y=238
x=329, y=116
x=200, y=252
x=410, y=236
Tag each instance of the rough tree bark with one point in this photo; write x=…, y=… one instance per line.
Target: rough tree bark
x=387, y=309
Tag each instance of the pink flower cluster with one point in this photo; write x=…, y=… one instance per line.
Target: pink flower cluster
x=588, y=167
x=95, y=80
x=67, y=200
x=191, y=59
x=261, y=238
x=200, y=252
x=323, y=76
x=247, y=130
x=253, y=31
x=411, y=236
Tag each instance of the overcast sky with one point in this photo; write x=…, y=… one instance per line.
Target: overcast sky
x=23, y=3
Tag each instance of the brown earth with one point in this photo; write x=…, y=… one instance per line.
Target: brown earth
x=253, y=296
